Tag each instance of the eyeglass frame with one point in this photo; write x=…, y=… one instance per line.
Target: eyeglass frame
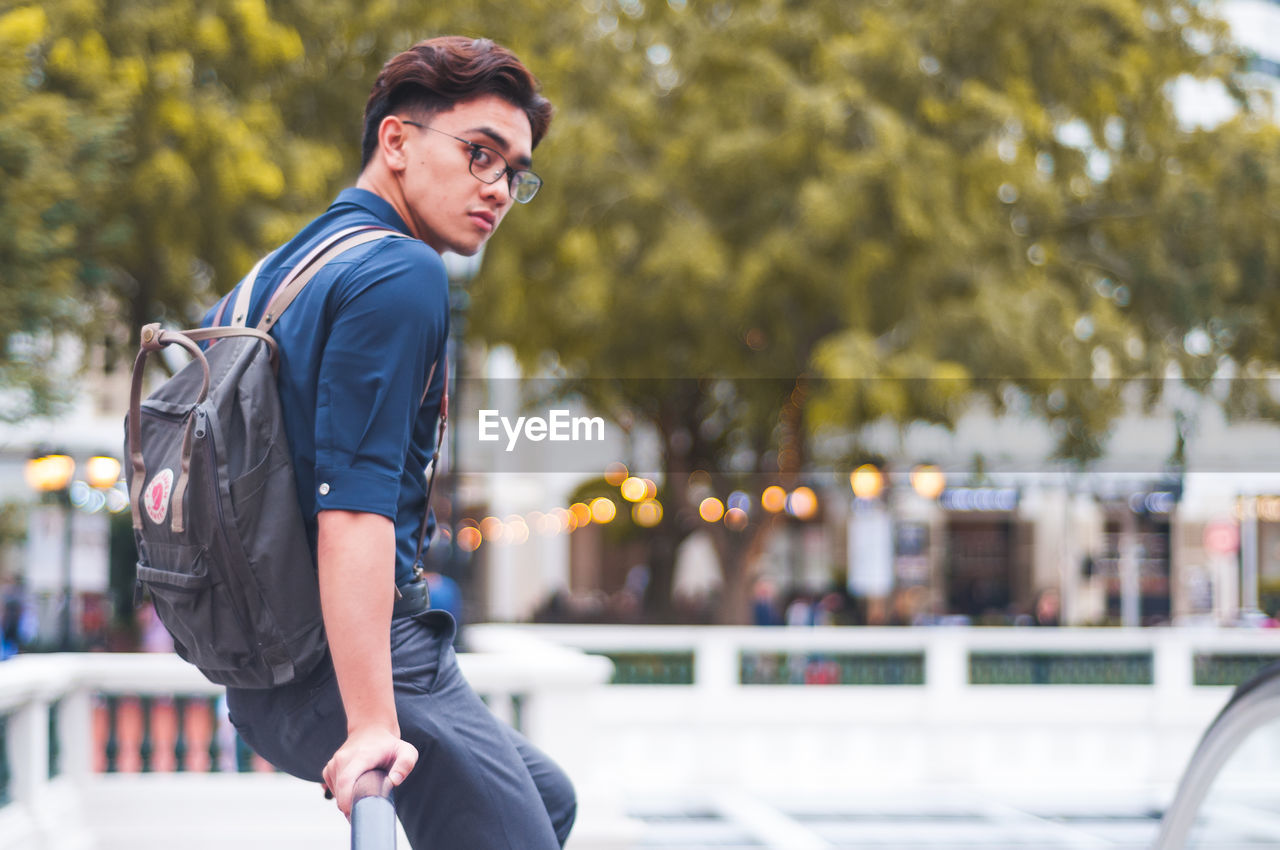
x=507, y=171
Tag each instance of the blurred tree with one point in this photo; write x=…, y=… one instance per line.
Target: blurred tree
x=814, y=216
x=762, y=219
x=47, y=145
x=150, y=152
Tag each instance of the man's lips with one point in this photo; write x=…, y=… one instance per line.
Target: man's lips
x=484, y=218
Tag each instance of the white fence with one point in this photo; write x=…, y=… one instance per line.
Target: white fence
x=80, y=809
x=945, y=732
x=935, y=729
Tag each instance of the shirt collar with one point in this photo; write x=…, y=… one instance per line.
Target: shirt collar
x=375, y=204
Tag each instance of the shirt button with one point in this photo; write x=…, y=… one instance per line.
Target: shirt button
x=324, y=489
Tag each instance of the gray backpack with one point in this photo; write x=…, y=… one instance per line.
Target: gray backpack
x=222, y=546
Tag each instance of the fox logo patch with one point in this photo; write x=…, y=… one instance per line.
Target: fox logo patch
x=155, y=496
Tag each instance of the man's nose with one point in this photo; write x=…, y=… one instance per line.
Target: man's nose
x=499, y=191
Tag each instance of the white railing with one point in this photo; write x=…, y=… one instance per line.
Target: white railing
x=945, y=731
x=619, y=743
x=87, y=810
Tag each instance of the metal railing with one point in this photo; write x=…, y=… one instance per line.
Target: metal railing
x=373, y=814
x=1253, y=705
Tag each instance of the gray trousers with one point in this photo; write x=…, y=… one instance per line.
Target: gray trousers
x=478, y=784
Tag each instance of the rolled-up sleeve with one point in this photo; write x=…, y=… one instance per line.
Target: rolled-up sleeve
x=388, y=321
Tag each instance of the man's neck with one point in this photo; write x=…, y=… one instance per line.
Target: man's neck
x=383, y=184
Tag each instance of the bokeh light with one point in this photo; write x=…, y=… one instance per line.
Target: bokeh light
x=928, y=480
x=492, y=529
x=735, y=519
x=517, y=530
x=102, y=471
x=711, y=509
x=469, y=538
x=773, y=499
x=634, y=489
x=802, y=503
x=646, y=514
x=603, y=510
x=867, y=481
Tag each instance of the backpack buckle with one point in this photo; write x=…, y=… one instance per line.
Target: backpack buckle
x=152, y=337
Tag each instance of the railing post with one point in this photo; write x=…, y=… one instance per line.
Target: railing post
x=112, y=746
x=146, y=749
x=716, y=663
x=946, y=666
x=215, y=742
x=180, y=734
x=29, y=750
x=75, y=725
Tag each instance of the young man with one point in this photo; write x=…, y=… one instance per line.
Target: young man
x=449, y=132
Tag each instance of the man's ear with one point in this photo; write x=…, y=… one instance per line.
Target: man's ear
x=392, y=137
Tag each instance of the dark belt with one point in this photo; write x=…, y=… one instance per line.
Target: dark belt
x=414, y=598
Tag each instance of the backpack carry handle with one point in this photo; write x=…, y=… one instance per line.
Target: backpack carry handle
x=155, y=338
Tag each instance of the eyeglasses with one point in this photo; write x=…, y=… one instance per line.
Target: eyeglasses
x=489, y=166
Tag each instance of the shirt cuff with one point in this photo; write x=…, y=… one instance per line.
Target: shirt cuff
x=357, y=490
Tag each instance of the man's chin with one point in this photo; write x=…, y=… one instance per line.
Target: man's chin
x=469, y=248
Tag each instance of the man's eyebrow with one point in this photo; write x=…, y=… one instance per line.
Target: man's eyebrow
x=501, y=142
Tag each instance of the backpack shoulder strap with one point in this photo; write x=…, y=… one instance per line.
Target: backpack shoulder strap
x=339, y=243
x=241, y=310
x=310, y=264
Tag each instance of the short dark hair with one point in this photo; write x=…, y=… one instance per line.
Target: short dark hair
x=436, y=74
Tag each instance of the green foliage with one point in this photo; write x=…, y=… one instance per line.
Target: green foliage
x=897, y=205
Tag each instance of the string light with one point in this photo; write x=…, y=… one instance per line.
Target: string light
x=646, y=510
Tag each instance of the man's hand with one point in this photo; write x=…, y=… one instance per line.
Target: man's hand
x=362, y=751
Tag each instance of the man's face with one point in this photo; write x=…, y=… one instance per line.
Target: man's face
x=450, y=209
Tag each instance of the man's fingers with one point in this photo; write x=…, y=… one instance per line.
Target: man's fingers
x=406, y=758
x=326, y=779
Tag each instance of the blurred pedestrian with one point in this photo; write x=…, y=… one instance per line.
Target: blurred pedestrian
x=764, y=603
x=18, y=625
x=1048, y=607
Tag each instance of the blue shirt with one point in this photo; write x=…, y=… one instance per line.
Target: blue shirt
x=356, y=349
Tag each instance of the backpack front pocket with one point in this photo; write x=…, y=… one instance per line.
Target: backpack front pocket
x=193, y=606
